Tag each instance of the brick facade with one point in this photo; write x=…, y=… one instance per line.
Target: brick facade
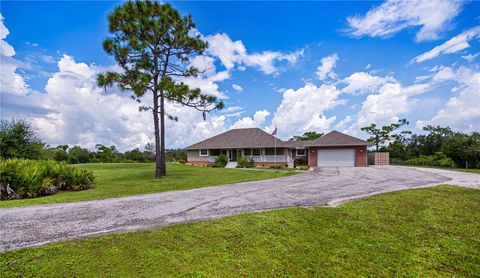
x=361, y=156
x=257, y=164
x=268, y=164
x=312, y=157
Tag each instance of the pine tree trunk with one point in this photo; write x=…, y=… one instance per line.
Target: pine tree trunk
x=158, y=150
x=163, y=169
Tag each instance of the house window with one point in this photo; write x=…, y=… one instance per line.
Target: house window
x=203, y=152
x=256, y=152
x=300, y=152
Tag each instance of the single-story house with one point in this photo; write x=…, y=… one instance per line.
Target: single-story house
x=332, y=149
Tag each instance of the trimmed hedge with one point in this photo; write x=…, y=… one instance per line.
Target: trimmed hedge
x=22, y=178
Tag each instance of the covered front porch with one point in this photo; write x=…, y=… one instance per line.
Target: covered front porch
x=259, y=155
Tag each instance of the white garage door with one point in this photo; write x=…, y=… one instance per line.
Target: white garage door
x=341, y=157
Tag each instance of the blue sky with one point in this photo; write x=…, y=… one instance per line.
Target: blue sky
x=298, y=66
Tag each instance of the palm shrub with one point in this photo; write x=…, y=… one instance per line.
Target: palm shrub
x=75, y=178
x=21, y=178
x=221, y=161
x=25, y=178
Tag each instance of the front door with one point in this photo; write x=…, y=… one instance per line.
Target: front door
x=233, y=155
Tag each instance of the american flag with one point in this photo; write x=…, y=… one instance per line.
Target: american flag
x=274, y=131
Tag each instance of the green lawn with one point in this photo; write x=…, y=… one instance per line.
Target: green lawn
x=124, y=179
x=475, y=171
x=431, y=232
x=275, y=170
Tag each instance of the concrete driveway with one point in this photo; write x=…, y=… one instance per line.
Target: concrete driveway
x=37, y=225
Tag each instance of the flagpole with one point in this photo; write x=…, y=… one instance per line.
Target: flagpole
x=275, y=151
x=274, y=134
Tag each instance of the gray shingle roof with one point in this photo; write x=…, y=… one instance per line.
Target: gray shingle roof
x=258, y=138
x=335, y=138
x=239, y=138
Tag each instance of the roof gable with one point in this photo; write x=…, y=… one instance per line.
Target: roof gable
x=239, y=138
x=335, y=138
x=258, y=138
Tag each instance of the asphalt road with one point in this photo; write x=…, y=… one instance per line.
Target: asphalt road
x=37, y=225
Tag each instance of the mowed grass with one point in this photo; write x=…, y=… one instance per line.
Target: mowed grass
x=125, y=179
x=431, y=232
x=475, y=171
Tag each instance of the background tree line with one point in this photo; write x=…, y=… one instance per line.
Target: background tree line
x=18, y=139
x=438, y=146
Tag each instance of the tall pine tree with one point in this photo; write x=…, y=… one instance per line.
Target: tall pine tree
x=153, y=43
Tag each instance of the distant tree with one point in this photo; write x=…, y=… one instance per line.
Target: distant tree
x=149, y=151
x=434, y=140
x=19, y=139
x=134, y=155
x=384, y=134
x=153, y=43
x=78, y=155
x=309, y=135
x=150, y=148
x=176, y=155
x=463, y=149
x=60, y=153
x=107, y=154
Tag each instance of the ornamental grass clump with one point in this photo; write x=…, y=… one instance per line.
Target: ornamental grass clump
x=22, y=178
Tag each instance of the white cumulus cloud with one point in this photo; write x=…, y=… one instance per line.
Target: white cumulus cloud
x=228, y=51
x=363, y=82
x=234, y=53
x=462, y=110
x=471, y=57
x=258, y=119
x=267, y=61
x=304, y=109
x=10, y=81
x=389, y=102
x=237, y=87
x=326, y=67
x=393, y=16
x=453, y=45
x=73, y=110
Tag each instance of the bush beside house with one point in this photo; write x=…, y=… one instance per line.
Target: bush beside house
x=245, y=162
x=300, y=161
x=221, y=161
